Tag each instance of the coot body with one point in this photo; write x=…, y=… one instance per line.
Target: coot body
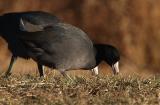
x=50, y=42
x=61, y=46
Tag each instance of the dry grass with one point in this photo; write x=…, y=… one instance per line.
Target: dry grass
x=130, y=25
x=107, y=90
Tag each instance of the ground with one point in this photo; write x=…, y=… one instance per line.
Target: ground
x=57, y=90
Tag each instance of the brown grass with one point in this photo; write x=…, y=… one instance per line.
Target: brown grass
x=24, y=90
x=131, y=25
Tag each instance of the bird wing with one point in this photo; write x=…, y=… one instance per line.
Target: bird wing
x=36, y=21
x=33, y=49
x=39, y=18
x=27, y=26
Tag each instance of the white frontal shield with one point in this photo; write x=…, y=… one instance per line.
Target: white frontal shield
x=115, y=68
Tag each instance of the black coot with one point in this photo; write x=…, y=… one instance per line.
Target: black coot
x=49, y=42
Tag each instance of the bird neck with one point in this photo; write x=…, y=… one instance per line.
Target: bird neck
x=99, y=54
x=1, y=24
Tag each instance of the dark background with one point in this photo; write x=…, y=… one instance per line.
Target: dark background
x=133, y=26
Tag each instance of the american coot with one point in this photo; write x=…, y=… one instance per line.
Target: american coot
x=42, y=37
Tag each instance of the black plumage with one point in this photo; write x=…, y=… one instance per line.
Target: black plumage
x=50, y=42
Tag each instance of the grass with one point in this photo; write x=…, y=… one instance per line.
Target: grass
x=108, y=90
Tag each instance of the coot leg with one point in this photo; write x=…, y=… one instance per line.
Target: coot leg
x=65, y=75
x=95, y=71
x=8, y=72
x=41, y=70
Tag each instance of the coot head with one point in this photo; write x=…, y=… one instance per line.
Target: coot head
x=109, y=54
